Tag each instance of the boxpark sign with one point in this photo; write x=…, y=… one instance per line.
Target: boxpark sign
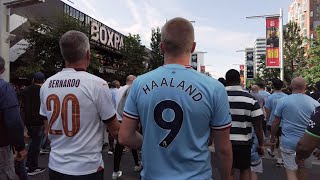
x=106, y=36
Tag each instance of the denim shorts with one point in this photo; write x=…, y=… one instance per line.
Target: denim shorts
x=289, y=159
x=6, y=164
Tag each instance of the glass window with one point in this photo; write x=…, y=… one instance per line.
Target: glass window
x=311, y=13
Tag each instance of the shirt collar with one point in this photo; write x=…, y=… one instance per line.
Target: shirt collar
x=177, y=66
x=73, y=69
x=232, y=88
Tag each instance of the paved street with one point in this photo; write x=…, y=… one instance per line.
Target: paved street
x=270, y=171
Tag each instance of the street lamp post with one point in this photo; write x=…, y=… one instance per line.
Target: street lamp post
x=281, y=36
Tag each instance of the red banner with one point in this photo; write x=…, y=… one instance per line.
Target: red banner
x=241, y=67
x=273, y=51
x=203, y=69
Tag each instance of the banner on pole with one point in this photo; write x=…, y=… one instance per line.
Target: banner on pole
x=249, y=65
x=272, y=36
x=203, y=69
x=194, y=61
x=242, y=74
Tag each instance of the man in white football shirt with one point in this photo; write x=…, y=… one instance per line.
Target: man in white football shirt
x=77, y=104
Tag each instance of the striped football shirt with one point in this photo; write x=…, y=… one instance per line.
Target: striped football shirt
x=244, y=110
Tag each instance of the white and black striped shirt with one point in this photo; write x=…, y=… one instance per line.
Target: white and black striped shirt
x=244, y=110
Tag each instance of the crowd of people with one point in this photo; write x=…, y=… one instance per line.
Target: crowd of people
x=169, y=114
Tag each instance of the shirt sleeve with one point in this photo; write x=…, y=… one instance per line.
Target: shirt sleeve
x=43, y=107
x=103, y=101
x=279, y=108
x=256, y=111
x=268, y=103
x=314, y=124
x=221, y=117
x=131, y=109
x=12, y=119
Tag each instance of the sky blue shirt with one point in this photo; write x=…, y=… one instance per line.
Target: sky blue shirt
x=265, y=95
x=295, y=111
x=176, y=107
x=271, y=104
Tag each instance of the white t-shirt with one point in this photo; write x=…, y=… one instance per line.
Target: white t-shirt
x=75, y=103
x=120, y=92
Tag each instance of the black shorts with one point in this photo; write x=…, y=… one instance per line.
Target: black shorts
x=241, y=157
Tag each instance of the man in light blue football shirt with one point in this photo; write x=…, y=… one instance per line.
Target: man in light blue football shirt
x=294, y=112
x=177, y=106
x=270, y=108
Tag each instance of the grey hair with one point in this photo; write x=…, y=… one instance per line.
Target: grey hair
x=130, y=79
x=74, y=46
x=177, y=36
x=2, y=63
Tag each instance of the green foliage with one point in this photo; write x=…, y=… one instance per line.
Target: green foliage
x=293, y=50
x=266, y=74
x=312, y=69
x=134, y=57
x=43, y=54
x=157, y=58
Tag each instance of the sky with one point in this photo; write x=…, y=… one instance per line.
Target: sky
x=221, y=28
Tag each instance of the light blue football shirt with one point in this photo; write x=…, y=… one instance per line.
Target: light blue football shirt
x=294, y=111
x=271, y=104
x=177, y=106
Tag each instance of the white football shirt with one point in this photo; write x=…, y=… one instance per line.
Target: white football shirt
x=75, y=103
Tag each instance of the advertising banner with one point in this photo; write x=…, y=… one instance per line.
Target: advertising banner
x=272, y=36
x=249, y=64
x=194, y=61
x=203, y=69
x=242, y=74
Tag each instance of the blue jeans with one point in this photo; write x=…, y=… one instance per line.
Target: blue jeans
x=20, y=168
x=36, y=134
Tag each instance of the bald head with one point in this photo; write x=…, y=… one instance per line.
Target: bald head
x=298, y=84
x=130, y=79
x=177, y=37
x=255, y=88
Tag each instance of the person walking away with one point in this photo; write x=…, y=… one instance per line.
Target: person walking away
x=34, y=122
x=246, y=114
x=77, y=105
x=294, y=113
x=270, y=108
x=11, y=129
x=310, y=140
x=176, y=107
x=121, y=97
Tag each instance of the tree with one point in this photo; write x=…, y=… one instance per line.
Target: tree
x=134, y=57
x=43, y=53
x=312, y=69
x=293, y=50
x=157, y=58
x=266, y=74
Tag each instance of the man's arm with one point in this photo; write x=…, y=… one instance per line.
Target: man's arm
x=268, y=113
x=305, y=147
x=128, y=135
x=274, y=129
x=13, y=121
x=113, y=126
x=257, y=126
x=224, y=151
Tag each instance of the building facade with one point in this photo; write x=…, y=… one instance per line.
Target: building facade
x=105, y=41
x=259, y=52
x=306, y=13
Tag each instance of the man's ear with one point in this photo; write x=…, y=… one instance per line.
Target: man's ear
x=162, y=48
x=193, y=47
x=88, y=57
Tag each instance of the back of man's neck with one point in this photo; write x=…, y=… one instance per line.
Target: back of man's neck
x=182, y=60
x=76, y=66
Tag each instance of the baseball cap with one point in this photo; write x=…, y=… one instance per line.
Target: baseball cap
x=39, y=76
